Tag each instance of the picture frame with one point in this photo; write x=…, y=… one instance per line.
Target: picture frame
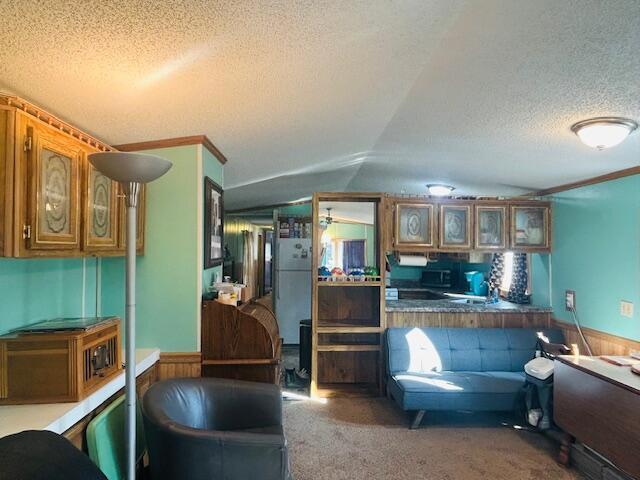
x=530, y=227
x=414, y=225
x=213, y=224
x=455, y=226
x=490, y=227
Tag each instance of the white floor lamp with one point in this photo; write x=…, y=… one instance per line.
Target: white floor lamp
x=130, y=170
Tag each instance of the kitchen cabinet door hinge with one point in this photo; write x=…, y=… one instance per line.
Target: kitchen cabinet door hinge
x=26, y=231
x=28, y=142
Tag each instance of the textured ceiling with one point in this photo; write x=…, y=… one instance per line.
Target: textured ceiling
x=313, y=95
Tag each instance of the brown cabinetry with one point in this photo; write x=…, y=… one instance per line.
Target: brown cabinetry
x=53, y=203
x=421, y=225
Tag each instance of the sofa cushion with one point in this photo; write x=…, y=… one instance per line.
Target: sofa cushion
x=461, y=382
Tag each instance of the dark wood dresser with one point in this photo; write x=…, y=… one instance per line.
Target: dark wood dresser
x=598, y=404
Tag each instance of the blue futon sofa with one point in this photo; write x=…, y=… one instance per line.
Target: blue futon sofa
x=476, y=369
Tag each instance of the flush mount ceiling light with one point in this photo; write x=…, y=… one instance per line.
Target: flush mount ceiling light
x=440, y=190
x=604, y=132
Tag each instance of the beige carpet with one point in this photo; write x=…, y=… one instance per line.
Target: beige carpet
x=369, y=439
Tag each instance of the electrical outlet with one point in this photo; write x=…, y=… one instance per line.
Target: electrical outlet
x=569, y=300
x=626, y=309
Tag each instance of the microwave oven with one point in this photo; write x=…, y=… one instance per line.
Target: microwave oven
x=436, y=278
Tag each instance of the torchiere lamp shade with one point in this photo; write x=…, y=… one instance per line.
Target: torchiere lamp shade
x=130, y=167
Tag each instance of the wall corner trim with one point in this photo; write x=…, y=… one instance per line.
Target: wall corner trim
x=627, y=172
x=174, y=142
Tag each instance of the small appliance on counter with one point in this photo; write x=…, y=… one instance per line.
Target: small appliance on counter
x=391, y=293
x=477, y=284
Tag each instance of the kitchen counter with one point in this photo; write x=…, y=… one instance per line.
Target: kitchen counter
x=449, y=306
x=59, y=417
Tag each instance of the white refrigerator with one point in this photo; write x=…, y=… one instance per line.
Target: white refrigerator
x=293, y=286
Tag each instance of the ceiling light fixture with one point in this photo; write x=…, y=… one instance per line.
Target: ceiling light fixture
x=604, y=132
x=440, y=190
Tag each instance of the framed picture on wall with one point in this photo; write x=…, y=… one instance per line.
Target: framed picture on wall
x=213, y=224
x=455, y=226
x=414, y=225
x=490, y=228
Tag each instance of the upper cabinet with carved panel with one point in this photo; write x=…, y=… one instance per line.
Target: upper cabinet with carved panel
x=101, y=211
x=491, y=226
x=52, y=202
x=530, y=226
x=414, y=226
x=53, y=190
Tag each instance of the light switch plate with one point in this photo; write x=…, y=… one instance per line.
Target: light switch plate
x=569, y=300
x=626, y=309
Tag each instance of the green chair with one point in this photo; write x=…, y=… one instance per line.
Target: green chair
x=105, y=440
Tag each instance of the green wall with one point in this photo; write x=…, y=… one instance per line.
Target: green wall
x=170, y=272
x=38, y=289
x=596, y=252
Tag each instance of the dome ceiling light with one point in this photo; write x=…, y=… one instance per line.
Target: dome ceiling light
x=604, y=132
x=440, y=190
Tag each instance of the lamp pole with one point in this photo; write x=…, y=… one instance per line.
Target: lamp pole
x=131, y=170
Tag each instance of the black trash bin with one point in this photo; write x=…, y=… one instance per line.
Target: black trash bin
x=305, y=345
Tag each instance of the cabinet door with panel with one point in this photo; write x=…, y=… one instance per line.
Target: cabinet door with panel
x=414, y=226
x=530, y=227
x=101, y=229
x=490, y=226
x=455, y=226
x=53, y=186
x=122, y=220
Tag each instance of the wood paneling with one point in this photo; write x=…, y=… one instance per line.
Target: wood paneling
x=179, y=365
x=601, y=343
x=356, y=306
x=77, y=433
x=174, y=142
x=468, y=320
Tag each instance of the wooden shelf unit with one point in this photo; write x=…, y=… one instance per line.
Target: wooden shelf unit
x=348, y=318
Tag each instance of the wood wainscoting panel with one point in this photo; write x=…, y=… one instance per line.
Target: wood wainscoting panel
x=179, y=365
x=601, y=343
x=469, y=320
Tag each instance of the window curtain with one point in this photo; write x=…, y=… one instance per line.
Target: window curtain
x=352, y=254
x=520, y=280
x=497, y=271
x=248, y=262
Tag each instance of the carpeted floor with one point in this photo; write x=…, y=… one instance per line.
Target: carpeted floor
x=369, y=439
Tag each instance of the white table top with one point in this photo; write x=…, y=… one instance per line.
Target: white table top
x=59, y=417
x=599, y=367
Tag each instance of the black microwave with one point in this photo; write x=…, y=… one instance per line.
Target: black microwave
x=436, y=278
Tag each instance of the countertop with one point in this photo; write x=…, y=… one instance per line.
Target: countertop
x=59, y=417
x=448, y=306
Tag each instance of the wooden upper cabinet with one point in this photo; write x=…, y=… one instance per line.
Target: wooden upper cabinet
x=491, y=227
x=101, y=229
x=530, y=229
x=53, y=191
x=53, y=203
x=414, y=226
x=455, y=227
x=122, y=221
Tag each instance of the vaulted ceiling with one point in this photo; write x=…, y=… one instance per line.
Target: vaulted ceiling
x=314, y=95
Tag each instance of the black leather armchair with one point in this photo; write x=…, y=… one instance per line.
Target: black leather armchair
x=208, y=428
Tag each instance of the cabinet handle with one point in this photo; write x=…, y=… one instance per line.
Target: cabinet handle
x=26, y=232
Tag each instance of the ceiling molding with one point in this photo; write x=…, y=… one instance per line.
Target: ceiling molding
x=627, y=172
x=174, y=142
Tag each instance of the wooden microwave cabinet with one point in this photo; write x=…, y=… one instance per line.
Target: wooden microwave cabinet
x=53, y=203
x=449, y=225
x=58, y=366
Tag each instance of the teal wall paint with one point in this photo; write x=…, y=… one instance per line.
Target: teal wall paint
x=541, y=279
x=596, y=252
x=38, y=289
x=168, y=273
x=213, y=169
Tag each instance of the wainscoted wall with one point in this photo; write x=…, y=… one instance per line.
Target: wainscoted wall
x=601, y=343
x=596, y=242
x=179, y=364
x=37, y=289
